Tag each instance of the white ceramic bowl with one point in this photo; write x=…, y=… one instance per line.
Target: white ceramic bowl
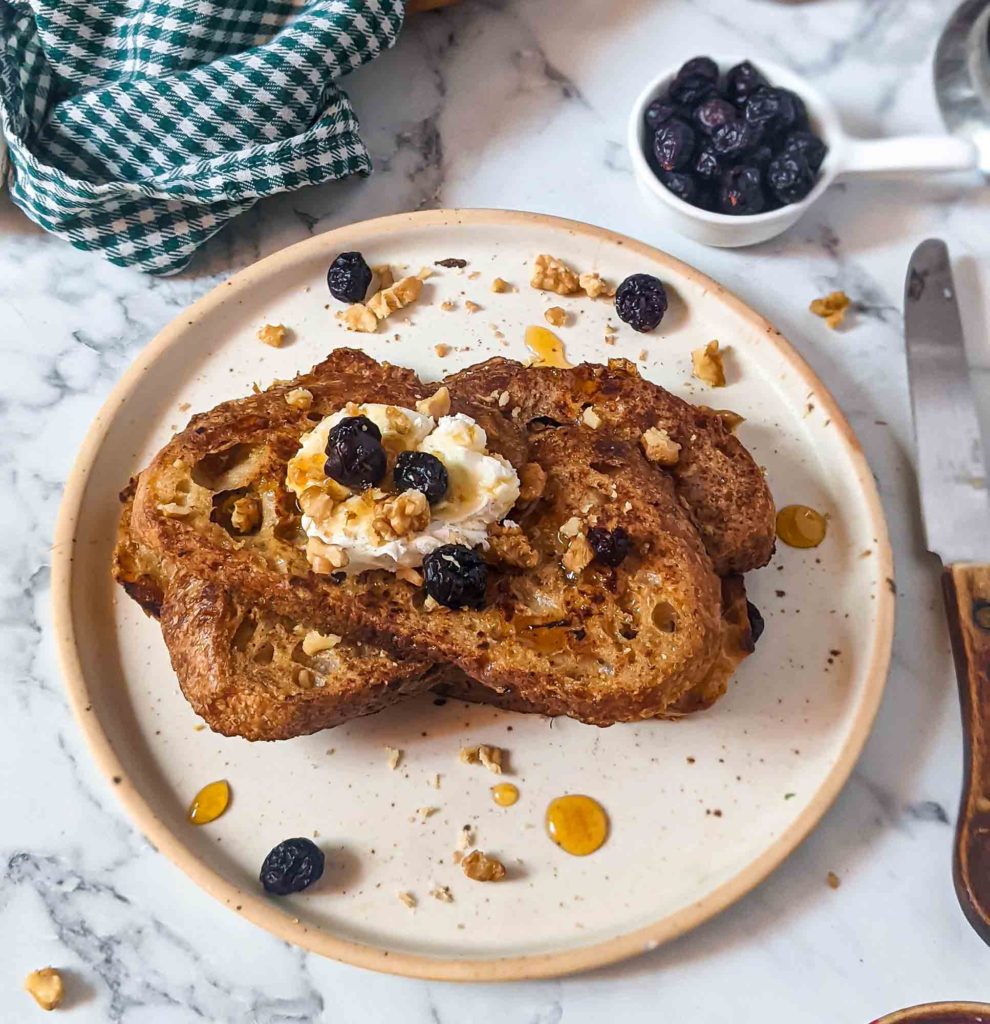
x=895, y=156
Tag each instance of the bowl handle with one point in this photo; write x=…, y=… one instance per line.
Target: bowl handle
x=909, y=154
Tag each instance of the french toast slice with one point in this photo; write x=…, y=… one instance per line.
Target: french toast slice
x=249, y=672
x=714, y=475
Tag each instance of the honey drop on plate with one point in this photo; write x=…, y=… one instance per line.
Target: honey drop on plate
x=505, y=794
x=209, y=803
x=546, y=346
x=577, y=824
x=799, y=526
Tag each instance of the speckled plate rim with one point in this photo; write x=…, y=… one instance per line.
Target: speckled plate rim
x=926, y=1012
x=253, y=905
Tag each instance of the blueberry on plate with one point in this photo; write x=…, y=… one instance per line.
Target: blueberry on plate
x=809, y=146
x=706, y=166
x=741, y=191
x=421, y=471
x=673, y=145
x=735, y=138
x=349, y=277
x=774, y=110
x=455, y=576
x=789, y=177
x=657, y=113
x=610, y=546
x=742, y=81
x=682, y=185
x=641, y=301
x=355, y=456
x=292, y=866
x=714, y=112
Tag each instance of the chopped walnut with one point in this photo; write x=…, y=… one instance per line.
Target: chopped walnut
x=359, y=318
x=471, y=307
x=442, y=893
x=245, y=514
x=551, y=275
x=499, y=286
x=273, y=334
x=448, y=305
x=578, y=554
x=437, y=405
x=591, y=418
x=556, y=316
x=504, y=399
x=325, y=558
x=393, y=756
x=484, y=754
x=593, y=286
x=508, y=545
x=431, y=604
x=400, y=516
x=465, y=838
x=299, y=398
x=479, y=867
x=174, y=510
x=385, y=302
x=442, y=350
x=45, y=987
x=384, y=274
x=532, y=481
x=407, y=899
x=832, y=308
x=315, y=642
x=706, y=365
x=659, y=447
x=729, y=418
x=409, y=575
x=570, y=528
x=425, y=812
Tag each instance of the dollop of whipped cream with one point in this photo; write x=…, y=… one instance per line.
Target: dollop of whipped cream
x=482, y=489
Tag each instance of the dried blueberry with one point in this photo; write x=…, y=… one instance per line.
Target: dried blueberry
x=774, y=110
x=735, y=138
x=610, y=546
x=421, y=471
x=455, y=576
x=756, y=623
x=714, y=112
x=704, y=67
x=741, y=81
x=348, y=277
x=355, y=456
x=809, y=146
x=673, y=145
x=292, y=866
x=658, y=113
x=740, y=191
x=789, y=177
x=641, y=301
x=760, y=157
x=706, y=166
x=692, y=89
x=682, y=185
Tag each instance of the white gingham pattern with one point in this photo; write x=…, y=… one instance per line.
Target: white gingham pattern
x=140, y=128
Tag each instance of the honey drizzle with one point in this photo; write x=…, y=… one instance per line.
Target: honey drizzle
x=209, y=803
x=547, y=347
x=799, y=526
x=578, y=824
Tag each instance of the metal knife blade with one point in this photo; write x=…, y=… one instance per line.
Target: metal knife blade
x=951, y=467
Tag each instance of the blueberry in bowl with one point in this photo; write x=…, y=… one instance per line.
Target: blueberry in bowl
x=731, y=140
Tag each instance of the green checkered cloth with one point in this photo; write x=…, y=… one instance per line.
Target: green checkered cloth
x=139, y=128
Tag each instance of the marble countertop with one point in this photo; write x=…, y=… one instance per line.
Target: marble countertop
x=516, y=103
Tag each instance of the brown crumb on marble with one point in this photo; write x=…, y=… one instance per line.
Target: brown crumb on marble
x=45, y=987
x=832, y=880
x=832, y=308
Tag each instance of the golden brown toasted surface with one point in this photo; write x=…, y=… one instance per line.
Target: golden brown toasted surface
x=715, y=475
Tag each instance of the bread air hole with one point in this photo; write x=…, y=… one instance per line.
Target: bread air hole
x=244, y=634
x=228, y=469
x=664, y=617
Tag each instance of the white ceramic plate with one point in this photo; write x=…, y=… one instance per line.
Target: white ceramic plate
x=701, y=809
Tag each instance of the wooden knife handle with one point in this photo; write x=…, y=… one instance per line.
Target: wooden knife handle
x=966, y=589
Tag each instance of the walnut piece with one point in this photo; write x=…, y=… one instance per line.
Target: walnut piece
x=556, y=316
x=45, y=987
x=400, y=516
x=593, y=286
x=508, y=545
x=299, y=398
x=729, y=418
x=386, y=301
x=832, y=308
x=659, y=447
x=706, y=365
x=442, y=350
x=425, y=812
x=407, y=899
x=471, y=307
x=499, y=286
x=551, y=275
x=532, y=480
x=315, y=642
x=393, y=756
x=591, y=418
x=437, y=405
x=359, y=318
x=484, y=754
x=325, y=558
x=384, y=274
x=442, y=893
x=273, y=334
x=245, y=514
x=479, y=867
x=578, y=554
x=409, y=575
